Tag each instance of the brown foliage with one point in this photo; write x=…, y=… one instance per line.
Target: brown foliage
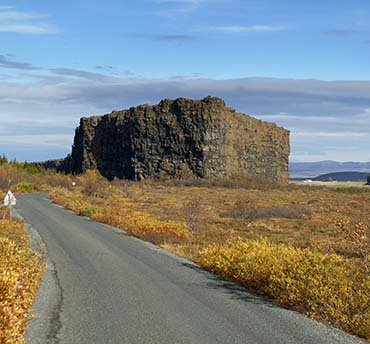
x=92, y=182
x=325, y=286
x=192, y=214
x=119, y=213
x=20, y=274
x=245, y=210
x=356, y=239
x=236, y=181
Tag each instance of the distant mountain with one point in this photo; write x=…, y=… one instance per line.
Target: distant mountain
x=313, y=169
x=344, y=176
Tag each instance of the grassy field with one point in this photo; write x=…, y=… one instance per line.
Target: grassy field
x=307, y=247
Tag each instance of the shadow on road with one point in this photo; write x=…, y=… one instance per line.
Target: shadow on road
x=237, y=292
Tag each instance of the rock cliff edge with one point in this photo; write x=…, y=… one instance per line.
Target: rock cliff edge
x=179, y=138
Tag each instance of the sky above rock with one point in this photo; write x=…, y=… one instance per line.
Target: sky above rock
x=301, y=64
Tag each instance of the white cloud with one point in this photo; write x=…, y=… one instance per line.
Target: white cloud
x=320, y=114
x=27, y=28
x=46, y=141
x=15, y=21
x=18, y=15
x=175, y=8
x=332, y=134
x=243, y=29
x=287, y=117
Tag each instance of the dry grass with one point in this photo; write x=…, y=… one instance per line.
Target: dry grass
x=21, y=270
x=306, y=247
x=122, y=215
x=286, y=242
x=20, y=180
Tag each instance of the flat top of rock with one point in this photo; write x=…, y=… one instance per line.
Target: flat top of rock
x=183, y=103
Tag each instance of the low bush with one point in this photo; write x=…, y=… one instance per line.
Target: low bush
x=331, y=287
x=356, y=239
x=235, y=181
x=4, y=213
x=191, y=210
x=325, y=287
x=92, y=182
x=20, y=274
x=57, y=180
x=24, y=187
x=139, y=224
x=245, y=210
x=351, y=190
x=89, y=211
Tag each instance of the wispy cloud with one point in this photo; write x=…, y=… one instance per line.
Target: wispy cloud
x=320, y=114
x=167, y=37
x=174, y=8
x=12, y=14
x=27, y=28
x=242, y=28
x=77, y=73
x=16, y=21
x=5, y=62
x=334, y=134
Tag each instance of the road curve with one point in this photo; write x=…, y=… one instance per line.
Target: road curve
x=117, y=289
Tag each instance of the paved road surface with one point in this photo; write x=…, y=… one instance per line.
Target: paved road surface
x=113, y=288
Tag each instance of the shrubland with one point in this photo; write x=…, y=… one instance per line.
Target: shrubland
x=21, y=268
x=21, y=271
x=304, y=247
x=326, y=287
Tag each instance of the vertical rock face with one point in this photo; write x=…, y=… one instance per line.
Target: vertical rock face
x=179, y=138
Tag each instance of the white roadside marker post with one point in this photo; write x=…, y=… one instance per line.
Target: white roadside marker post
x=9, y=201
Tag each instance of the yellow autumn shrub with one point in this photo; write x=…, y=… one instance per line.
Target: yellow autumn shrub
x=324, y=287
x=143, y=225
x=139, y=224
x=69, y=200
x=24, y=187
x=21, y=270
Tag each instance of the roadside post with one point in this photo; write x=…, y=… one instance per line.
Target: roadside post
x=9, y=201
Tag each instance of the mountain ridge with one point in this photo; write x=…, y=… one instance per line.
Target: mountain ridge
x=318, y=168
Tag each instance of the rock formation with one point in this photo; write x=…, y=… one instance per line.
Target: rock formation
x=179, y=138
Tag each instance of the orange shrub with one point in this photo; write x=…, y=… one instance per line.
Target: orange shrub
x=139, y=224
x=324, y=287
x=20, y=274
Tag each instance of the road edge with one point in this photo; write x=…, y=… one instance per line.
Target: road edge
x=45, y=310
x=47, y=331
x=339, y=335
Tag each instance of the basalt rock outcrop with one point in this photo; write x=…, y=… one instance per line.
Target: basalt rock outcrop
x=179, y=138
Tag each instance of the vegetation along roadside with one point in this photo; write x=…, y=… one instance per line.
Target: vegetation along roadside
x=305, y=247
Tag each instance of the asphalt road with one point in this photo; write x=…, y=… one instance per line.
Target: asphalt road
x=107, y=287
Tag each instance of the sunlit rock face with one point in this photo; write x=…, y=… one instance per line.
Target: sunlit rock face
x=181, y=139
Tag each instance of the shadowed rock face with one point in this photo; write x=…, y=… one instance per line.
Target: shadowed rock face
x=179, y=138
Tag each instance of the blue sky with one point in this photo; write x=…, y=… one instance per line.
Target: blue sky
x=301, y=64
